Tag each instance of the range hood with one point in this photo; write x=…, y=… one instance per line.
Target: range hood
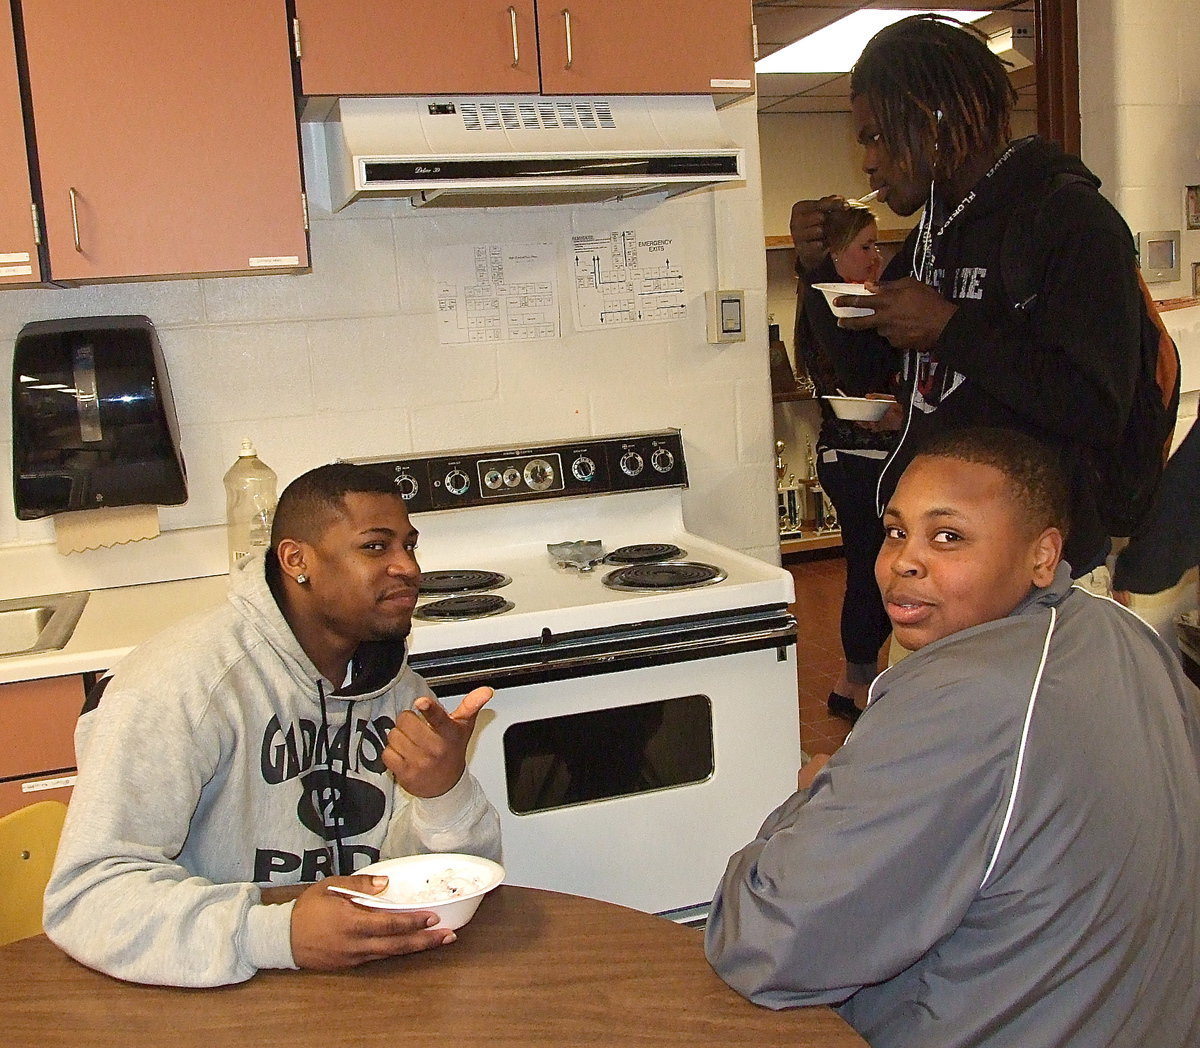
x=521, y=149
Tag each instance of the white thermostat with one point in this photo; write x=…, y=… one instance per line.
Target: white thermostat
x=726, y=316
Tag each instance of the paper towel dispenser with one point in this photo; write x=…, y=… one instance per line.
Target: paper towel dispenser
x=93, y=418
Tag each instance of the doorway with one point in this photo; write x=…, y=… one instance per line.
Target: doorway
x=827, y=160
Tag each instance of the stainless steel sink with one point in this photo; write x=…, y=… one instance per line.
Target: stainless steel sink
x=38, y=624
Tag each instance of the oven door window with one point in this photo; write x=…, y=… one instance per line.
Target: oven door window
x=585, y=757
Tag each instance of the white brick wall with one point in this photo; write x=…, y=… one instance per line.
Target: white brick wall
x=1139, y=87
x=344, y=361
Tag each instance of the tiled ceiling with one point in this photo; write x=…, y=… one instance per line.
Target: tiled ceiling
x=780, y=22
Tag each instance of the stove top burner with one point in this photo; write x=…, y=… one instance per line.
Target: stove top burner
x=645, y=552
x=684, y=574
x=461, y=580
x=467, y=606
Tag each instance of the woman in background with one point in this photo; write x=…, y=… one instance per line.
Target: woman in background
x=850, y=455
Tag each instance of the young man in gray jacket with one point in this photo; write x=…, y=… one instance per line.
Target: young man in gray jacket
x=280, y=739
x=1006, y=851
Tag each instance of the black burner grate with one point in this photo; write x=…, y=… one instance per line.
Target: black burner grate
x=645, y=552
x=467, y=606
x=675, y=575
x=461, y=580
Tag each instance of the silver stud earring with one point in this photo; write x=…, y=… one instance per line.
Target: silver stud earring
x=302, y=579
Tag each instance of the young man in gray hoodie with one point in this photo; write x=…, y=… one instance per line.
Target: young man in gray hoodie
x=1006, y=851
x=278, y=740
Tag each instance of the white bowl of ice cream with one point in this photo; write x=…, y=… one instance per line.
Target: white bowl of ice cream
x=449, y=884
x=832, y=291
x=860, y=409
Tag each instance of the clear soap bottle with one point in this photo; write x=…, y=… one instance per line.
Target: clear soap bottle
x=249, y=503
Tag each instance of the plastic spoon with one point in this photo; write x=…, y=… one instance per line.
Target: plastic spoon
x=352, y=893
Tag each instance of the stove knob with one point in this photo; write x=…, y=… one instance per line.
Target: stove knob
x=631, y=463
x=583, y=468
x=662, y=460
x=493, y=479
x=408, y=486
x=512, y=477
x=539, y=474
x=457, y=482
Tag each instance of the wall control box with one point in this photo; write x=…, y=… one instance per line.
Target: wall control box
x=726, y=316
x=1158, y=255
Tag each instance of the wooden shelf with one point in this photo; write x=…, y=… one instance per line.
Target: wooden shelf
x=805, y=540
x=1165, y=305
x=790, y=395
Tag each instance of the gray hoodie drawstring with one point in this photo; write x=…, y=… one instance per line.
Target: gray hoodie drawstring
x=339, y=856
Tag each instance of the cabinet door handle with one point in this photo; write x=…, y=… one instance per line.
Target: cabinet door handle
x=567, y=29
x=512, y=17
x=75, y=219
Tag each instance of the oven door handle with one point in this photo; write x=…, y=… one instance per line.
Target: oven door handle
x=612, y=660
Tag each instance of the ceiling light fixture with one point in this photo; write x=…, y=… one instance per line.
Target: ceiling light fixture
x=836, y=48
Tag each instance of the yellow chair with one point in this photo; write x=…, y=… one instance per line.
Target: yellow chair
x=28, y=841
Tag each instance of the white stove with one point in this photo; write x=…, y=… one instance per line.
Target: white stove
x=637, y=737
x=512, y=540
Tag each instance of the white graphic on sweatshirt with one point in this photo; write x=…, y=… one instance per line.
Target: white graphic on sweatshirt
x=935, y=383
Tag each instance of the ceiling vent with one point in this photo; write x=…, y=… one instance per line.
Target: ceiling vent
x=1016, y=46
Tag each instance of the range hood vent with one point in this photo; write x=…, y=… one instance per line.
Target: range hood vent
x=520, y=150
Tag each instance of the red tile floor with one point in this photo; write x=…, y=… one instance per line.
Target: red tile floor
x=820, y=583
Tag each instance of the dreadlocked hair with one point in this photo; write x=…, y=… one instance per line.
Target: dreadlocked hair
x=924, y=64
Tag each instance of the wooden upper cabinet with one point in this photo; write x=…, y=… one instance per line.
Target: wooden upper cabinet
x=18, y=249
x=365, y=47
x=166, y=137
x=634, y=47
x=359, y=47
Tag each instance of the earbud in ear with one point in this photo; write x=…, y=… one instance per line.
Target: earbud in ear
x=939, y=116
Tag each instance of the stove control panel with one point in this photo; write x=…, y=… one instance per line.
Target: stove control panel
x=503, y=477
x=592, y=466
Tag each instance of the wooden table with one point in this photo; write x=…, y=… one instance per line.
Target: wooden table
x=532, y=968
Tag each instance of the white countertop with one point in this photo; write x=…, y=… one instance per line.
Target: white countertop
x=115, y=621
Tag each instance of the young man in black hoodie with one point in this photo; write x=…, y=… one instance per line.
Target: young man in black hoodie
x=931, y=107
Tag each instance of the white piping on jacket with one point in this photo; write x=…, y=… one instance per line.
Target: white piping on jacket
x=1012, y=799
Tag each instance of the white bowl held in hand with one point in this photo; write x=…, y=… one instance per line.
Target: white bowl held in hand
x=449, y=884
x=860, y=409
x=832, y=291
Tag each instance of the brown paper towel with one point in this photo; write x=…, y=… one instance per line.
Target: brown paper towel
x=92, y=528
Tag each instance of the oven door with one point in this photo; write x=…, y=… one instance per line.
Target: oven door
x=633, y=775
